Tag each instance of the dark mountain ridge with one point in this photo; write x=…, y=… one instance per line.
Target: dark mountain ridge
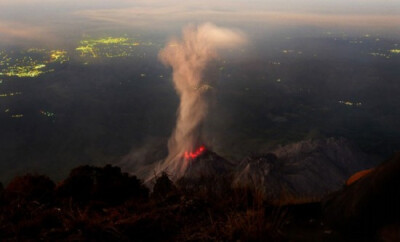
x=214, y=200
x=304, y=171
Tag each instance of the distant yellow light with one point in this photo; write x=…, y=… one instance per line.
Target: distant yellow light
x=10, y=94
x=41, y=66
x=288, y=51
x=395, y=51
x=348, y=103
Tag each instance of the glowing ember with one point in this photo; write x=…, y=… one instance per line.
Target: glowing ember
x=196, y=153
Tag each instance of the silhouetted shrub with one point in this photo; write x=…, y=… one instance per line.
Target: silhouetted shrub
x=156, y=226
x=163, y=187
x=30, y=187
x=106, y=184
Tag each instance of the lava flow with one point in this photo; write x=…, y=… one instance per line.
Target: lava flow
x=196, y=153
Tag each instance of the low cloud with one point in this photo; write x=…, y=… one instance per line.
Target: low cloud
x=147, y=16
x=14, y=31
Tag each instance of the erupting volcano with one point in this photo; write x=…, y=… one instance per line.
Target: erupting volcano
x=189, y=58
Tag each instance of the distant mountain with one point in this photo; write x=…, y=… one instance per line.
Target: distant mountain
x=304, y=171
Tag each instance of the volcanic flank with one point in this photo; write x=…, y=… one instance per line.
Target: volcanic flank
x=189, y=58
x=206, y=164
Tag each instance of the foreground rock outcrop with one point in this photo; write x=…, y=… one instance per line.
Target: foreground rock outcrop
x=370, y=202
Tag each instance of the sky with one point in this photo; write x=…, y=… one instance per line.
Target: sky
x=51, y=20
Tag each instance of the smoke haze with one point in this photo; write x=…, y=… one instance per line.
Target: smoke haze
x=188, y=58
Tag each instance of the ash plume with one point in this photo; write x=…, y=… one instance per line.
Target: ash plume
x=189, y=58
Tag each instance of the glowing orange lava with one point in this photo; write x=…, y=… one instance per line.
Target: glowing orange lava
x=196, y=153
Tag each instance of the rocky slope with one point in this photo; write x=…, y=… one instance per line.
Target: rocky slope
x=206, y=165
x=304, y=171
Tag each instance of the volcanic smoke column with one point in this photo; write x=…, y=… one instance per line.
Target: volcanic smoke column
x=188, y=58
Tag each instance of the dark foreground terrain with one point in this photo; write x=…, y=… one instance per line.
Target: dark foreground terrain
x=104, y=204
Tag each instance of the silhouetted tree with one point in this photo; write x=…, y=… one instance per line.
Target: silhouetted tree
x=163, y=186
x=30, y=187
x=106, y=184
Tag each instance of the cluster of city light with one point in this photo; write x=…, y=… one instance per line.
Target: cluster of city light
x=47, y=114
x=33, y=62
x=109, y=47
x=380, y=54
x=348, y=103
x=20, y=115
x=388, y=54
x=59, y=56
x=28, y=70
x=10, y=94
